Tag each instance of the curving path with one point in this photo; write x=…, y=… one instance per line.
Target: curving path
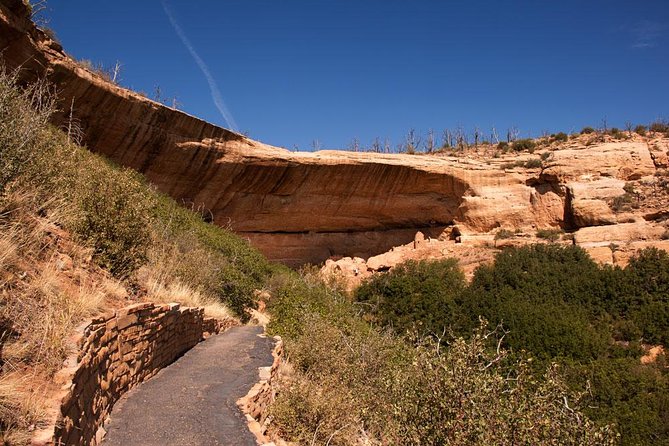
x=193, y=401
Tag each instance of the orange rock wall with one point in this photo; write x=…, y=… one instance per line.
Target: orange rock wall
x=296, y=208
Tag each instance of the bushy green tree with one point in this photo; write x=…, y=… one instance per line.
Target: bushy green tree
x=524, y=144
x=647, y=294
x=417, y=295
x=352, y=382
x=548, y=298
x=624, y=392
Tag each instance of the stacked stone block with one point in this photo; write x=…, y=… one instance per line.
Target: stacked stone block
x=119, y=351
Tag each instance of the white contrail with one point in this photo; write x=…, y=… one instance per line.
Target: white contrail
x=215, y=92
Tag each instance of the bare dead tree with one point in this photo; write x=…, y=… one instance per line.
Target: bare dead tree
x=75, y=133
x=628, y=127
x=493, y=136
x=605, y=125
x=461, y=138
x=512, y=134
x=37, y=9
x=157, y=94
x=69, y=121
x=411, y=142
x=477, y=136
x=445, y=134
x=429, y=142
x=354, y=146
x=116, y=72
x=376, y=145
x=386, y=145
x=316, y=145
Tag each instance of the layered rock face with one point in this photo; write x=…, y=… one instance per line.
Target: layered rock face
x=611, y=197
x=296, y=207
x=306, y=207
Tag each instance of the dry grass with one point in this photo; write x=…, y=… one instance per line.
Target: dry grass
x=161, y=278
x=68, y=222
x=8, y=249
x=47, y=288
x=44, y=297
x=20, y=410
x=175, y=291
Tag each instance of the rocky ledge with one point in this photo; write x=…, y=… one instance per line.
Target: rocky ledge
x=307, y=207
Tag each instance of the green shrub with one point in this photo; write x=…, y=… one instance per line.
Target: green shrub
x=544, y=295
x=552, y=235
x=623, y=202
x=524, y=144
x=503, y=234
x=469, y=394
x=533, y=164
x=616, y=133
x=646, y=301
x=503, y=146
x=114, y=220
x=206, y=257
x=625, y=392
x=659, y=127
x=561, y=137
x=587, y=130
x=24, y=114
x=414, y=295
x=351, y=381
x=641, y=130
x=557, y=304
x=306, y=294
x=512, y=165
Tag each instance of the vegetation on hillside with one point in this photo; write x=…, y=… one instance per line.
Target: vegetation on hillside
x=78, y=234
x=354, y=382
x=492, y=142
x=556, y=305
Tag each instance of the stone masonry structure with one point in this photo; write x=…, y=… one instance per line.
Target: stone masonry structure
x=117, y=352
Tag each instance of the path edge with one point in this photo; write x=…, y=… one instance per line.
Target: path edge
x=116, y=352
x=255, y=404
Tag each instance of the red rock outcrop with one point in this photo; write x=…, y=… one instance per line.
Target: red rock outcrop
x=307, y=207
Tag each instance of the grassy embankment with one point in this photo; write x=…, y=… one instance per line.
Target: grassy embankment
x=79, y=236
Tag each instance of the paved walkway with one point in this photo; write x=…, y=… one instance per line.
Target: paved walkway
x=193, y=401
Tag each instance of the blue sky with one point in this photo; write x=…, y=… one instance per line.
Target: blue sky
x=294, y=71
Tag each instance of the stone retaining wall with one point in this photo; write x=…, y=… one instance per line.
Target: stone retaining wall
x=117, y=352
x=255, y=404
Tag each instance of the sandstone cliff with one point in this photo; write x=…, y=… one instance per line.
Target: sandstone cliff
x=307, y=207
